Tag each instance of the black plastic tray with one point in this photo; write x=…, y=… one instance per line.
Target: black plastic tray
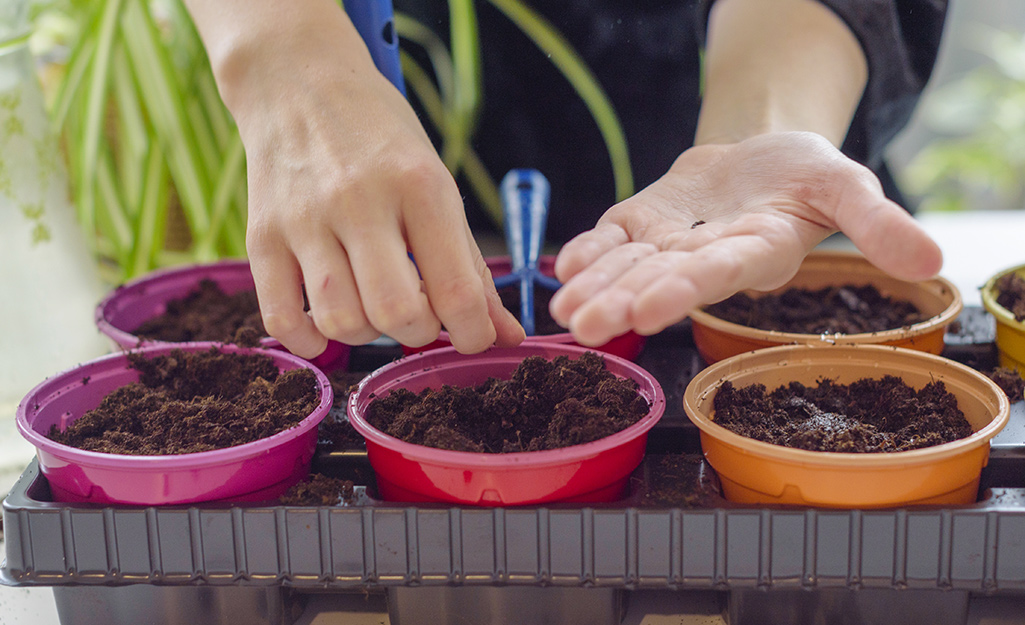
x=698, y=542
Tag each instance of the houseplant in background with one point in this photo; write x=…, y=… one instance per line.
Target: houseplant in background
x=48, y=275
x=977, y=160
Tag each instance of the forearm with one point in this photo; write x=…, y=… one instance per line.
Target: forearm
x=251, y=41
x=784, y=65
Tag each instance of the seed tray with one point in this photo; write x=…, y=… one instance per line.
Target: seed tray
x=653, y=538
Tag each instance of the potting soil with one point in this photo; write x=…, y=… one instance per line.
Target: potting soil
x=547, y=404
x=206, y=314
x=1009, y=381
x=1011, y=294
x=846, y=309
x=866, y=416
x=336, y=431
x=187, y=402
x=319, y=490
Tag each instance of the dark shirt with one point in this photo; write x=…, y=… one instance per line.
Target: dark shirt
x=645, y=54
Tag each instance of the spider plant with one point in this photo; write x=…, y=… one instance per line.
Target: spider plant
x=150, y=144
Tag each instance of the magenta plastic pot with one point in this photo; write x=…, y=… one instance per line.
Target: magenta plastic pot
x=591, y=472
x=125, y=308
x=255, y=471
x=628, y=345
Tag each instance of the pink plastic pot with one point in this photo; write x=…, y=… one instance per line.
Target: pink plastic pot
x=591, y=472
x=129, y=305
x=255, y=471
x=627, y=345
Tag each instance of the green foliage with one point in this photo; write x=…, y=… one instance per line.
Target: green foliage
x=981, y=117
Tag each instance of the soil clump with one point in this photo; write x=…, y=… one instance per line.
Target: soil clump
x=319, y=490
x=1010, y=382
x=846, y=309
x=866, y=416
x=207, y=314
x=547, y=404
x=682, y=480
x=187, y=402
x=1011, y=290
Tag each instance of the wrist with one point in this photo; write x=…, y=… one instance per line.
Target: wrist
x=261, y=49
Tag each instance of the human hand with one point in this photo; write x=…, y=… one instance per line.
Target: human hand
x=726, y=218
x=343, y=183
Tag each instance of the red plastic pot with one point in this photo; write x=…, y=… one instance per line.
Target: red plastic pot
x=255, y=471
x=627, y=345
x=591, y=472
x=125, y=308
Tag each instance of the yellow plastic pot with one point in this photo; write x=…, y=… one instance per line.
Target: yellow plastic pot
x=938, y=299
x=753, y=471
x=1010, y=337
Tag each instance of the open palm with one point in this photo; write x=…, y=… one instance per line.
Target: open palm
x=726, y=218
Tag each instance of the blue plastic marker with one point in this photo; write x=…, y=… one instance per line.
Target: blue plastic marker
x=525, y=199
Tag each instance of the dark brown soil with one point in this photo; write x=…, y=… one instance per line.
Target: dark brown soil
x=1011, y=294
x=336, y=431
x=207, y=314
x=319, y=490
x=867, y=416
x=543, y=322
x=844, y=309
x=547, y=404
x=679, y=480
x=1009, y=382
x=188, y=402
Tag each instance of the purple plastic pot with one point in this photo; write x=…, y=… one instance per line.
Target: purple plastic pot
x=125, y=308
x=255, y=471
x=591, y=472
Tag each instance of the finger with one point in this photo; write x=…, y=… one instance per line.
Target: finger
x=508, y=331
x=711, y=274
x=886, y=234
x=608, y=313
x=389, y=286
x=587, y=247
x=450, y=264
x=390, y=289
x=601, y=273
x=335, y=304
x=278, y=280
x=892, y=240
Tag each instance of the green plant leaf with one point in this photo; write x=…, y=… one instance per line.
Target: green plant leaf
x=152, y=215
x=569, y=63
x=163, y=97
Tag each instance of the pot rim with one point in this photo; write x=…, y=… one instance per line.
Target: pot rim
x=989, y=298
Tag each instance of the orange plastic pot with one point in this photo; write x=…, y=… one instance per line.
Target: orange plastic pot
x=1010, y=337
x=937, y=298
x=753, y=471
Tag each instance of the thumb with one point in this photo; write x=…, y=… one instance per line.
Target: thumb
x=886, y=234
